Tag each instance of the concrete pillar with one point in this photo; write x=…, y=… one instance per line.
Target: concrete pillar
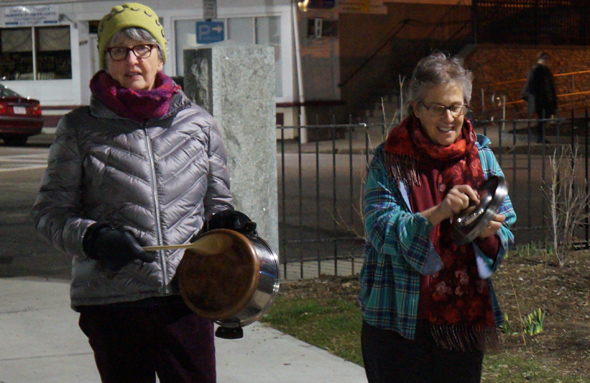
x=236, y=84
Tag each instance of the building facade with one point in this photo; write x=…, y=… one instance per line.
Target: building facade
x=48, y=50
x=331, y=56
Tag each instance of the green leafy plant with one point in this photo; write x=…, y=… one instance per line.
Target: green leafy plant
x=532, y=324
x=506, y=327
x=549, y=250
x=525, y=250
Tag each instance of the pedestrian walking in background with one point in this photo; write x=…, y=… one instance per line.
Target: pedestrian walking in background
x=539, y=92
x=141, y=166
x=429, y=309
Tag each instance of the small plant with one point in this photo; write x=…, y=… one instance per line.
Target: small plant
x=549, y=250
x=532, y=324
x=523, y=250
x=506, y=327
x=526, y=250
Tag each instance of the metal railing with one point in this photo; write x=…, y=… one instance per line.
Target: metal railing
x=320, y=186
x=570, y=93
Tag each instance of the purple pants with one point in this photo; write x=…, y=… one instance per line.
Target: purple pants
x=134, y=342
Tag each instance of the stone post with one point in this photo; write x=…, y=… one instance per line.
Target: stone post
x=236, y=84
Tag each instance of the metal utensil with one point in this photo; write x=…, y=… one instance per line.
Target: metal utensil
x=472, y=221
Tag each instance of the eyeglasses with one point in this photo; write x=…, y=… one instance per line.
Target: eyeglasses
x=141, y=51
x=437, y=110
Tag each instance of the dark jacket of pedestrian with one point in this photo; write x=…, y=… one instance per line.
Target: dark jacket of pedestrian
x=539, y=91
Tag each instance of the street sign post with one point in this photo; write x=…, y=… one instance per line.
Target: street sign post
x=209, y=9
x=210, y=32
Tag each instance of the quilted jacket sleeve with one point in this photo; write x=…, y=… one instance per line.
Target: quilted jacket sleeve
x=218, y=195
x=57, y=209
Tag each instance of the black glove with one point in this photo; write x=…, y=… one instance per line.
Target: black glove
x=233, y=220
x=113, y=247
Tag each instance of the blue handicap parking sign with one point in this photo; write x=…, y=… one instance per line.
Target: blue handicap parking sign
x=210, y=32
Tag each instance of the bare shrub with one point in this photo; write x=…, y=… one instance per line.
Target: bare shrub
x=568, y=200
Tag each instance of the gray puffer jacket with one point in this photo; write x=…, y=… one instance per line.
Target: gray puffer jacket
x=159, y=180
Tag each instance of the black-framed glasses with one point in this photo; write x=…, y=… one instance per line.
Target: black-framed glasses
x=141, y=51
x=438, y=110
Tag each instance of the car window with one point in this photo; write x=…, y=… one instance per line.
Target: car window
x=5, y=92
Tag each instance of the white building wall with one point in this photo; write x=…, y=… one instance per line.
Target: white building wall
x=83, y=45
x=54, y=92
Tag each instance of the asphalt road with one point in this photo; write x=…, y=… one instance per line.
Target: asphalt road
x=22, y=251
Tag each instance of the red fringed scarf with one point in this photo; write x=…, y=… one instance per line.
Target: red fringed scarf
x=138, y=105
x=457, y=301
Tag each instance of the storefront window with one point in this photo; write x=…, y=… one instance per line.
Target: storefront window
x=53, y=53
x=51, y=58
x=17, y=54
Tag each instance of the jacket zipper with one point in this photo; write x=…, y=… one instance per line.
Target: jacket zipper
x=163, y=262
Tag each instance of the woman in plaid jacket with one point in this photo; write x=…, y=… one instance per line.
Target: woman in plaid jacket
x=429, y=309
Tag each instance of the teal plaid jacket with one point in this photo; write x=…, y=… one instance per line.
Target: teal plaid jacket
x=398, y=248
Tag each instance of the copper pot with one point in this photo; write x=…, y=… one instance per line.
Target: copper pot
x=228, y=277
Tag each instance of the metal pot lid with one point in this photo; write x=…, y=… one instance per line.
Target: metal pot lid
x=471, y=222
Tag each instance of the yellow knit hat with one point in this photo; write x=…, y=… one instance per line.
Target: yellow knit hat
x=127, y=16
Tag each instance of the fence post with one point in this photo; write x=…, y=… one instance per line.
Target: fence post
x=283, y=241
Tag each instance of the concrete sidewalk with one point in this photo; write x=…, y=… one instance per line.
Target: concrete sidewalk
x=40, y=342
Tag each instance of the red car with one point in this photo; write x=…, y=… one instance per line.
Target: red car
x=20, y=117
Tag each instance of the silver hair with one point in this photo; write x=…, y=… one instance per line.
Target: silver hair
x=436, y=69
x=136, y=34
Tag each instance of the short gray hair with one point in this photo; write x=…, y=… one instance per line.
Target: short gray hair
x=436, y=69
x=136, y=34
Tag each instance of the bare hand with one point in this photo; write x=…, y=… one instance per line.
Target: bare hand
x=457, y=199
x=454, y=202
x=493, y=226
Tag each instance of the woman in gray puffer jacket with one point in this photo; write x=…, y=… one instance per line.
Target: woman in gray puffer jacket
x=141, y=166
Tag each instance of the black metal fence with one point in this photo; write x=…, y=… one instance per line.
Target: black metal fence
x=320, y=185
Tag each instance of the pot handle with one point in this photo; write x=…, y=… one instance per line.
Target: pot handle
x=229, y=332
x=205, y=245
x=168, y=247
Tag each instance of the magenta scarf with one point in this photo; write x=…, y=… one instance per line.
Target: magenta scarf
x=137, y=105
